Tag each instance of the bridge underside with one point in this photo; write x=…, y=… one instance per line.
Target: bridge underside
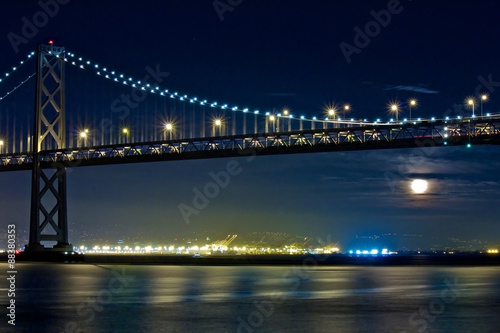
x=437, y=134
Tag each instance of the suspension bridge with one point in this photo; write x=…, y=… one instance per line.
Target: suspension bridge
x=180, y=127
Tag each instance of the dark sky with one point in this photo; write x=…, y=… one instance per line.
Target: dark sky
x=275, y=54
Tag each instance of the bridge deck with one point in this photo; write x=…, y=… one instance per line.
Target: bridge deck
x=380, y=136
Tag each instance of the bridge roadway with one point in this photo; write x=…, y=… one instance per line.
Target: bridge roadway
x=365, y=137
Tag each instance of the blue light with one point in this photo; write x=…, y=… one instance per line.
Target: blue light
x=419, y=119
x=391, y=120
x=447, y=118
x=96, y=66
x=268, y=113
x=433, y=118
x=378, y=120
x=468, y=145
x=445, y=143
x=487, y=115
x=113, y=73
x=88, y=62
x=458, y=117
x=314, y=118
x=256, y=112
x=302, y=117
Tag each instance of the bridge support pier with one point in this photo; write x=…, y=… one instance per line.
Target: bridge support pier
x=48, y=221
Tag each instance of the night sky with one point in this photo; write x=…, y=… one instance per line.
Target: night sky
x=269, y=55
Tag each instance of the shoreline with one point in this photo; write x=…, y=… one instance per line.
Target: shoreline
x=274, y=260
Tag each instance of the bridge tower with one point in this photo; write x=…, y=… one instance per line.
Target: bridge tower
x=48, y=220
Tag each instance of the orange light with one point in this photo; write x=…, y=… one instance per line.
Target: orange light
x=51, y=42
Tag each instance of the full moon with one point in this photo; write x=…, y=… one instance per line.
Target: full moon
x=419, y=186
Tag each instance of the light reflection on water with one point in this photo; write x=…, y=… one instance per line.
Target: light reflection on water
x=135, y=298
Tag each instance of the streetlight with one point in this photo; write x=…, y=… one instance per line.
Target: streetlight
x=412, y=103
x=470, y=101
x=330, y=115
x=217, y=123
x=347, y=107
x=395, y=109
x=270, y=118
x=169, y=128
x=286, y=112
x=1, y=146
x=484, y=98
x=83, y=136
x=126, y=132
